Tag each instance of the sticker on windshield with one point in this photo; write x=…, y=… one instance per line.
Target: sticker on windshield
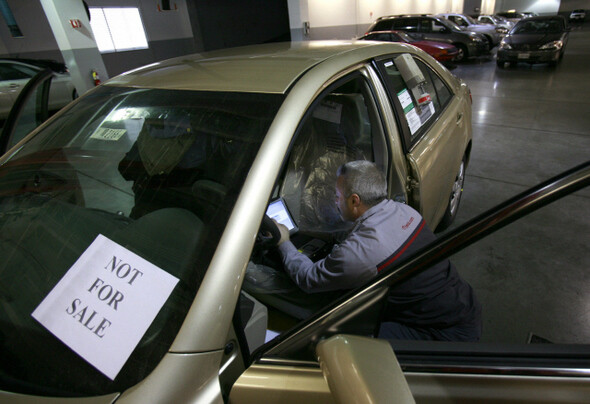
x=108, y=134
x=104, y=304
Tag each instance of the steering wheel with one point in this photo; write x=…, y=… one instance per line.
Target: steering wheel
x=268, y=234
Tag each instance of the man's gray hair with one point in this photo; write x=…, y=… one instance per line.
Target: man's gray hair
x=365, y=179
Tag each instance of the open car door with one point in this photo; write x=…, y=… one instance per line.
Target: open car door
x=29, y=110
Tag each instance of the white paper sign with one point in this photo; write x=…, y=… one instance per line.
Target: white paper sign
x=108, y=134
x=105, y=303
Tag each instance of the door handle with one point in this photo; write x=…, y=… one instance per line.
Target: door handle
x=459, y=117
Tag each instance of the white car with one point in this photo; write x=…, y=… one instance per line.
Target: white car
x=14, y=75
x=498, y=22
x=578, y=15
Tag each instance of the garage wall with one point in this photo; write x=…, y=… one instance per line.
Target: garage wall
x=169, y=34
x=567, y=6
x=541, y=7
x=38, y=40
x=344, y=19
x=230, y=23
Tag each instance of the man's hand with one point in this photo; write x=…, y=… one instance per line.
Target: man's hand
x=284, y=232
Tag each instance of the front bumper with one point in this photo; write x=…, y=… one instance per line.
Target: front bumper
x=478, y=48
x=536, y=56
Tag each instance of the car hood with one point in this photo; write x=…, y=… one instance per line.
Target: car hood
x=533, y=39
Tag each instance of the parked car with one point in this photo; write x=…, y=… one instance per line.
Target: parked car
x=497, y=21
x=535, y=40
x=492, y=33
x=14, y=75
x=511, y=15
x=54, y=65
x=139, y=207
x=578, y=15
x=431, y=28
x=443, y=52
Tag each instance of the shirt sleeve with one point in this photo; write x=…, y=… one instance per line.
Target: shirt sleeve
x=341, y=269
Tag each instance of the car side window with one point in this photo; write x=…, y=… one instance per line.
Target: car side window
x=10, y=73
x=384, y=25
x=426, y=25
x=419, y=101
x=437, y=26
x=380, y=37
x=341, y=126
x=407, y=24
x=458, y=20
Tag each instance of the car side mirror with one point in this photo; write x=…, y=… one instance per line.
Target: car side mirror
x=362, y=370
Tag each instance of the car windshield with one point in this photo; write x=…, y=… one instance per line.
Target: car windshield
x=450, y=24
x=147, y=174
x=471, y=20
x=538, y=27
x=404, y=37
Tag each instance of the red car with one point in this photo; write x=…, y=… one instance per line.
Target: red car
x=443, y=52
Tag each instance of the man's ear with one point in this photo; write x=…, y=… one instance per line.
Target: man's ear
x=355, y=200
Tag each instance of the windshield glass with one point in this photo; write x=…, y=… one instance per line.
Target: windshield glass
x=404, y=37
x=538, y=27
x=471, y=20
x=140, y=174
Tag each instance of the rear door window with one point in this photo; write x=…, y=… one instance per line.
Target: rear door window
x=406, y=24
x=420, y=104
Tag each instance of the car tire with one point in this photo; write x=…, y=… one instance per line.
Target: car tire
x=463, y=54
x=454, y=198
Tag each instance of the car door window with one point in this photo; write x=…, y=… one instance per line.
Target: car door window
x=341, y=125
x=12, y=72
x=426, y=26
x=384, y=25
x=421, y=104
x=408, y=24
x=458, y=20
x=339, y=128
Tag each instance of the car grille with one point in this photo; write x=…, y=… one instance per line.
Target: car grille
x=525, y=47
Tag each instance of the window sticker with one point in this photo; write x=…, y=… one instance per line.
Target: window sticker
x=409, y=110
x=108, y=134
x=329, y=111
x=105, y=303
x=415, y=117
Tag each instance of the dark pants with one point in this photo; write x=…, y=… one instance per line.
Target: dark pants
x=465, y=333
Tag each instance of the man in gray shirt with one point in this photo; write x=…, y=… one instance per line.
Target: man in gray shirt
x=435, y=304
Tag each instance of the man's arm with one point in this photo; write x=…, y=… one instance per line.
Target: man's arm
x=339, y=270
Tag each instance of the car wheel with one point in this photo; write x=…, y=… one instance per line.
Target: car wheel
x=462, y=55
x=454, y=199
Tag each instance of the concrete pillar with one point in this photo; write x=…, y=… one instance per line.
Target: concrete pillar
x=298, y=17
x=71, y=28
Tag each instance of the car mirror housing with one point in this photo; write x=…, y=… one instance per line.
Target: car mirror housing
x=349, y=366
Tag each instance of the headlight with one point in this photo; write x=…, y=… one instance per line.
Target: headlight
x=555, y=45
x=501, y=30
x=475, y=38
x=505, y=45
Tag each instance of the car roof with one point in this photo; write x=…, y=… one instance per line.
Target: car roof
x=268, y=68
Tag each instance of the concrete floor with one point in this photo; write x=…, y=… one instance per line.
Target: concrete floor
x=530, y=123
